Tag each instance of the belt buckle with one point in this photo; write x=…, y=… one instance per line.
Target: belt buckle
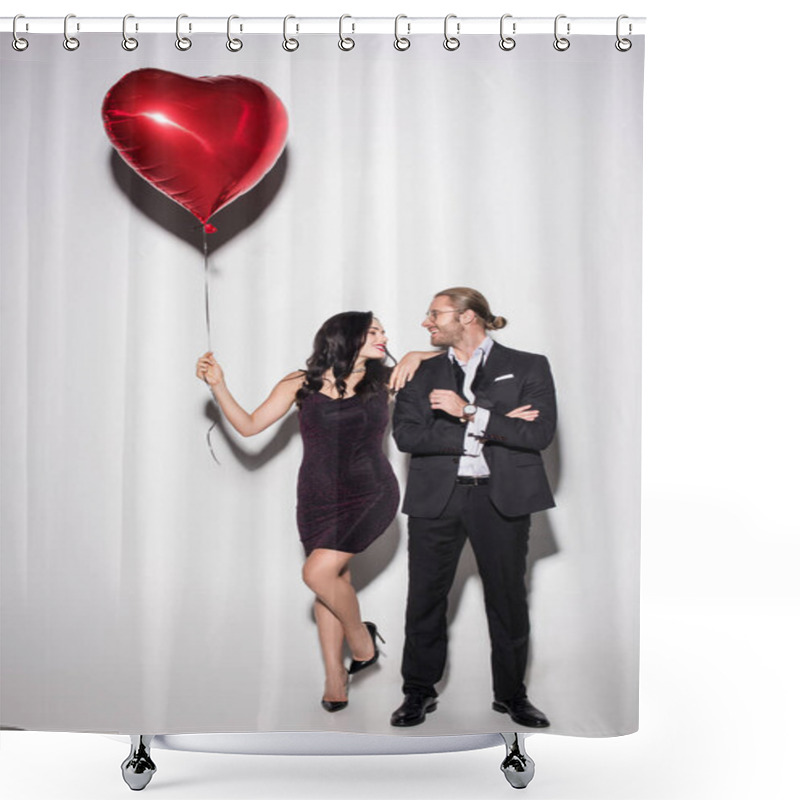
x=471, y=480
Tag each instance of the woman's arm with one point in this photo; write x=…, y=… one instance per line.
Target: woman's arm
x=406, y=367
x=280, y=399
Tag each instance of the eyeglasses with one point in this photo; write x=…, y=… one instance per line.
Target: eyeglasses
x=433, y=313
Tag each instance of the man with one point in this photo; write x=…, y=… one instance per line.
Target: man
x=475, y=421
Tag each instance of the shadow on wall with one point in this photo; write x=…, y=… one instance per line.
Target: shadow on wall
x=229, y=221
x=368, y=565
x=285, y=431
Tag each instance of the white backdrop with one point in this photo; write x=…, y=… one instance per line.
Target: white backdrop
x=719, y=202
x=132, y=557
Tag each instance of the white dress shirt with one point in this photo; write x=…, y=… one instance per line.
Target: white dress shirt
x=472, y=463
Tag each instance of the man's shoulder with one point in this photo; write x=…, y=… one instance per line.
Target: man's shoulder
x=520, y=356
x=431, y=366
x=427, y=370
x=434, y=362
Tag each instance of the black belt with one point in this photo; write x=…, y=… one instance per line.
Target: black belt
x=471, y=480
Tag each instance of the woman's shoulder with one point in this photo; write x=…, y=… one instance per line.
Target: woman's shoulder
x=290, y=383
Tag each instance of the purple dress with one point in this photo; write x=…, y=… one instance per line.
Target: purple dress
x=347, y=493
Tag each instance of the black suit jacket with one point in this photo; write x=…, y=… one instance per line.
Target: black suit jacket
x=512, y=447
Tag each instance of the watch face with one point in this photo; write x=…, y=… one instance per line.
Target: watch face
x=470, y=409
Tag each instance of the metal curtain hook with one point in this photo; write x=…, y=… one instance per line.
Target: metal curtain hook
x=18, y=43
x=234, y=45
x=561, y=43
x=507, y=42
x=345, y=42
x=623, y=45
x=451, y=42
x=401, y=42
x=128, y=42
x=70, y=42
x=182, y=42
x=289, y=45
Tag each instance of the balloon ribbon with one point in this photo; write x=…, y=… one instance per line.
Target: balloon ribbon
x=206, y=231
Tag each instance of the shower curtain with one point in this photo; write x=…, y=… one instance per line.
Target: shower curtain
x=151, y=568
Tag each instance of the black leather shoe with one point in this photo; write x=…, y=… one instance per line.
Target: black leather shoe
x=357, y=666
x=523, y=712
x=412, y=712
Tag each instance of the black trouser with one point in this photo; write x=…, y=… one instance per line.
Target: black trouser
x=500, y=545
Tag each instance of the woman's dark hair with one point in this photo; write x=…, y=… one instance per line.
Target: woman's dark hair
x=336, y=347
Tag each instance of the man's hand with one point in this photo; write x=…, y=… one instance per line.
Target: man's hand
x=448, y=401
x=524, y=412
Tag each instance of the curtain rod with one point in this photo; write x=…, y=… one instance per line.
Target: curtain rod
x=325, y=25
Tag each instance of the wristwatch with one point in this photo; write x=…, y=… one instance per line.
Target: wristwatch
x=470, y=410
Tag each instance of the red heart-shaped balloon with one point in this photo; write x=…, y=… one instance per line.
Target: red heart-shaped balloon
x=201, y=141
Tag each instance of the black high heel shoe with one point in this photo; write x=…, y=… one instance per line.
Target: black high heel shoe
x=357, y=666
x=336, y=705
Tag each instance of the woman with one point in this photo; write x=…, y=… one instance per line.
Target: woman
x=347, y=494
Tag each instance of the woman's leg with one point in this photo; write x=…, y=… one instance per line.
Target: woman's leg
x=325, y=573
x=331, y=640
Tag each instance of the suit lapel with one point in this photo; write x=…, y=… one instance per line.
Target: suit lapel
x=444, y=377
x=496, y=364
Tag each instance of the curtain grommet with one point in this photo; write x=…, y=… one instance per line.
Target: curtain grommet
x=183, y=43
x=346, y=43
x=233, y=44
x=507, y=43
x=17, y=42
x=289, y=44
x=70, y=43
x=561, y=43
x=622, y=44
x=451, y=43
x=129, y=43
x=401, y=43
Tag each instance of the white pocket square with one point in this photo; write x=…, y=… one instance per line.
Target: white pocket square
x=504, y=377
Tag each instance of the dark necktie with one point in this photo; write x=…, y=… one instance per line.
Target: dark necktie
x=458, y=374
x=478, y=375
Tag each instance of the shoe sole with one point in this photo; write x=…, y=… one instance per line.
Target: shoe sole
x=427, y=711
x=498, y=707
